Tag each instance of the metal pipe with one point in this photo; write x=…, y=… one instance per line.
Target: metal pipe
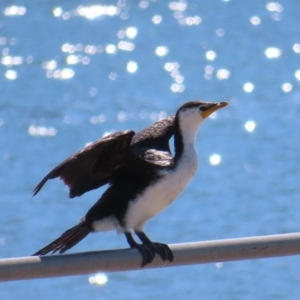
x=129, y=259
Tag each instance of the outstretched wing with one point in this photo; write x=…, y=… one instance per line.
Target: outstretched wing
x=97, y=163
x=93, y=166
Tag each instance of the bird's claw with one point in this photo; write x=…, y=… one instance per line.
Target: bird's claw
x=162, y=250
x=148, y=252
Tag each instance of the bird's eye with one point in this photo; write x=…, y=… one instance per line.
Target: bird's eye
x=202, y=108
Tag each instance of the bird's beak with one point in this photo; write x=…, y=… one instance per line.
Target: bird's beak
x=212, y=107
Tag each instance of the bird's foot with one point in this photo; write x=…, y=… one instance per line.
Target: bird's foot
x=162, y=250
x=148, y=248
x=147, y=253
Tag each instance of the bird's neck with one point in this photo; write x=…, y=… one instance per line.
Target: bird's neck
x=184, y=140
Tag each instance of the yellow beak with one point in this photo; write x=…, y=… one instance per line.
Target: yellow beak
x=212, y=107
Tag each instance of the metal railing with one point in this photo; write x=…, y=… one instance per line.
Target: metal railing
x=130, y=259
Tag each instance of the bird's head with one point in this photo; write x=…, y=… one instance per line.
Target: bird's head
x=192, y=114
x=189, y=118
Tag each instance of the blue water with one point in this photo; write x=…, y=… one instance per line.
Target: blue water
x=73, y=70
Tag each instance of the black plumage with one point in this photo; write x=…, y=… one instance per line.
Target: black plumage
x=97, y=163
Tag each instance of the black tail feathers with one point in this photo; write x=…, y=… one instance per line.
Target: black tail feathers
x=67, y=240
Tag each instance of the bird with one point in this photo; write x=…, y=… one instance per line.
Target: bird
x=142, y=174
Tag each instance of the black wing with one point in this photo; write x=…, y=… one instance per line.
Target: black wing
x=93, y=166
x=155, y=136
x=97, y=163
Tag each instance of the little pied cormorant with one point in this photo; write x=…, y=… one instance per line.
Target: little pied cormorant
x=143, y=176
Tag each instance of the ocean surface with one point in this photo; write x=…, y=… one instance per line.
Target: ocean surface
x=72, y=71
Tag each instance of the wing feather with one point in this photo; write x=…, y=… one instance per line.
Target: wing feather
x=94, y=165
x=154, y=139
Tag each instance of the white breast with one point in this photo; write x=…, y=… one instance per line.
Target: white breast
x=162, y=193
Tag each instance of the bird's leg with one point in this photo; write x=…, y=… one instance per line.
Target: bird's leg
x=147, y=253
x=162, y=250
